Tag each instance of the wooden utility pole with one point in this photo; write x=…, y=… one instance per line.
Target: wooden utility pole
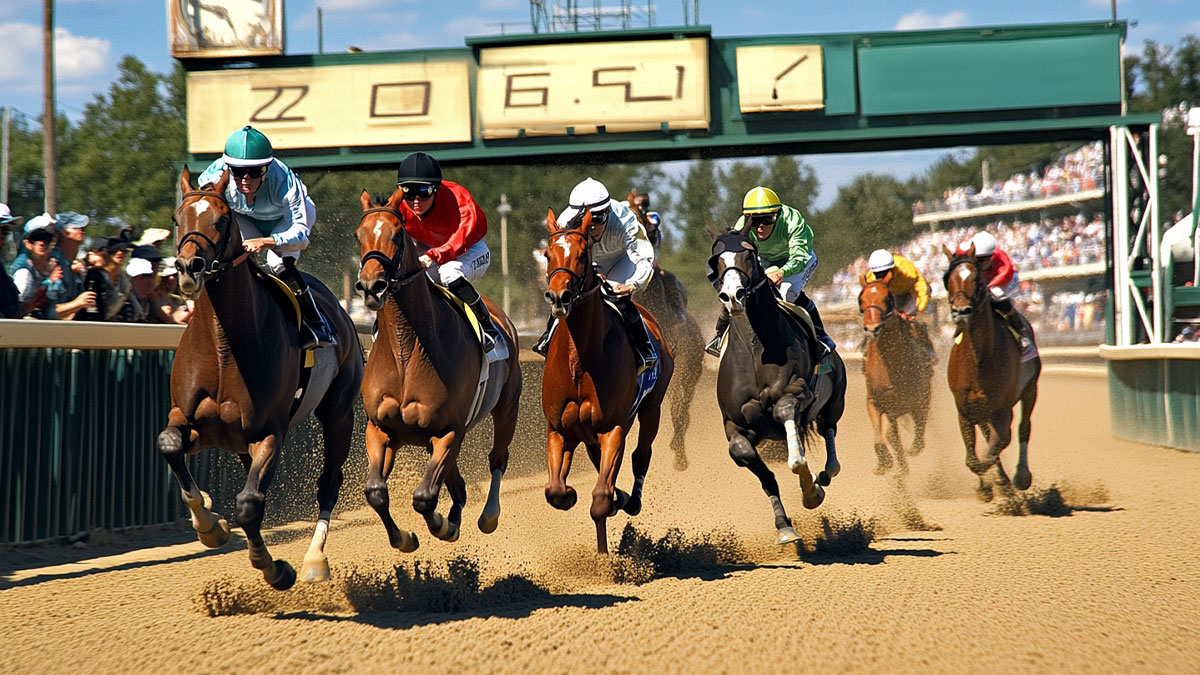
x=4, y=157
x=48, y=125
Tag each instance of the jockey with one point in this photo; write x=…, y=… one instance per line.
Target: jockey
x=785, y=251
x=908, y=288
x=274, y=213
x=622, y=253
x=997, y=268
x=451, y=228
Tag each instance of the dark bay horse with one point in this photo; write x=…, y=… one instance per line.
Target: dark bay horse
x=235, y=381
x=590, y=386
x=427, y=382
x=899, y=374
x=986, y=375
x=766, y=385
x=666, y=298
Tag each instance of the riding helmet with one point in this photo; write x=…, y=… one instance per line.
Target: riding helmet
x=881, y=261
x=590, y=194
x=248, y=147
x=419, y=168
x=985, y=244
x=761, y=201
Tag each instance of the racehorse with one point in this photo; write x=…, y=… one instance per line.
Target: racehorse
x=666, y=298
x=898, y=372
x=427, y=381
x=767, y=385
x=987, y=376
x=236, y=382
x=591, y=390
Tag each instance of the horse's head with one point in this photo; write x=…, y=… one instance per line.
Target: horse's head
x=209, y=241
x=964, y=284
x=569, y=263
x=734, y=270
x=389, y=258
x=875, y=303
x=650, y=220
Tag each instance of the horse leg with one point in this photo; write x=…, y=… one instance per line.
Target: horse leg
x=457, y=487
x=211, y=529
x=1023, y=479
x=688, y=366
x=893, y=436
x=920, y=416
x=883, y=458
x=742, y=451
x=785, y=412
x=336, y=430
x=250, y=502
x=558, y=461
x=649, y=417
x=967, y=429
x=381, y=457
x=606, y=499
x=442, y=462
x=504, y=427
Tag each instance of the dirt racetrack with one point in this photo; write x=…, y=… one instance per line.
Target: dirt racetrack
x=1113, y=587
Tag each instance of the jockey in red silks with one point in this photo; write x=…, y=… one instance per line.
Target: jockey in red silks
x=1001, y=276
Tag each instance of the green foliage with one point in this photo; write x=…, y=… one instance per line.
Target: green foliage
x=873, y=211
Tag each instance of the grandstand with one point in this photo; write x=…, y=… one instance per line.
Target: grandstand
x=1052, y=224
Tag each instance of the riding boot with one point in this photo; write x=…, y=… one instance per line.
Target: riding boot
x=639, y=335
x=714, y=345
x=1015, y=321
x=543, y=342
x=467, y=293
x=314, y=329
x=806, y=302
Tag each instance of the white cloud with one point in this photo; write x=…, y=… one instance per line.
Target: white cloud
x=500, y=4
x=76, y=58
x=469, y=25
x=920, y=20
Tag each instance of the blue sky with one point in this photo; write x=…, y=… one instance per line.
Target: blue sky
x=92, y=36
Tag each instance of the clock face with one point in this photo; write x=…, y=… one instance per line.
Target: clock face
x=225, y=27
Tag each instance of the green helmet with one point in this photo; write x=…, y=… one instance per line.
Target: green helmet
x=248, y=147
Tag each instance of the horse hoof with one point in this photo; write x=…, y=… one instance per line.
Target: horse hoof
x=633, y=506
x=280, y=575
x=216, y=536
x=681, y=463
x=564, y=501
x=315, y=569
x=824, y=478
x=787, y=535
x=881, y=468
x=832, y=469
x=817, y=497
x=207, y=498
x=915, y=450
x=1023, y=479
x=984, y=494
x=403, y=541
x=488, y=525
x=442, y=528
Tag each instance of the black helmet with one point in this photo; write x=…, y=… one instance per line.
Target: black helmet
x=419, y=168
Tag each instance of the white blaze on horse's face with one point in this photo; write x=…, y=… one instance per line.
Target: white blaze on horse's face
x=565, y=246
x=379, y=223
x=732, y=290
x=201, y=206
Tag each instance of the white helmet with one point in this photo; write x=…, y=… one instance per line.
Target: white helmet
x=591, y=195
x=985, y=244
x=881, y=261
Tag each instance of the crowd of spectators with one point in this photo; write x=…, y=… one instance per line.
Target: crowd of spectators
x=58, y=272
x=1077, y=171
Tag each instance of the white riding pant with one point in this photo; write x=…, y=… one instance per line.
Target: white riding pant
x=791, y=286
x=618, y=272
x=1007, y=291
x=471, y=265
x=275, y=256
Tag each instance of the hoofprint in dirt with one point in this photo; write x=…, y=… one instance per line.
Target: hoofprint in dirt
x=987, y=592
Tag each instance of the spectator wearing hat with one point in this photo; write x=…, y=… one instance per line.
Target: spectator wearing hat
x=36, y=274
x=168, y=296
x=95, y=280
x=142, y=279
x=152, y=236
x=9, y=297
x=71, y=233
x=122, y=305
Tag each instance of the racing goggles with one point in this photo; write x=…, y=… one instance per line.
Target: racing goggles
x=422, y=190
x=248, y=171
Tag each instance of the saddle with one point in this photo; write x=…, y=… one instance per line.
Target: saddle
x=801, y=320
x=290, y=307
x=501, y=346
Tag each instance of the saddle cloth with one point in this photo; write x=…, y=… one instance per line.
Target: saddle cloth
x=286, y=299
x=1027, y=355
x=498, y=352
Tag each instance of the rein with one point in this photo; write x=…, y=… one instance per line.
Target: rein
x=577, y=279
x=973, y=299
x=884, y=310
x=217, y=266
x=390, y=265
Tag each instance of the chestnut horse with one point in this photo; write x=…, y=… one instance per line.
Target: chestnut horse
x=986, y=375
x=424, y=383
x=666, y=298
x=767, y=386
x=899, y=375
x=590, y=385
x=236, y=378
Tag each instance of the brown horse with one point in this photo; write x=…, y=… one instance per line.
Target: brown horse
x=590, y=385
x=425, y=379
x=666, y=298
x=236, y=381
x=898, y=373
x=986, y=375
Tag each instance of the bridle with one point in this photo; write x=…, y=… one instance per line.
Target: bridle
x=747, y=277
x=973, y=299
x=575, y=285
x=886, y=310
x=216, y=266
x=391, y=266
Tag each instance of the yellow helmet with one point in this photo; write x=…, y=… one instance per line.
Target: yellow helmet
x=760, y=201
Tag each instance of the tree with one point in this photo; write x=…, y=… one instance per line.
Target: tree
x=123, y=153
x=873, y=211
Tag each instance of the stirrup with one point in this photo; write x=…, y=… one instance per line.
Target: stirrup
x=714, y=346
x=542, y=345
